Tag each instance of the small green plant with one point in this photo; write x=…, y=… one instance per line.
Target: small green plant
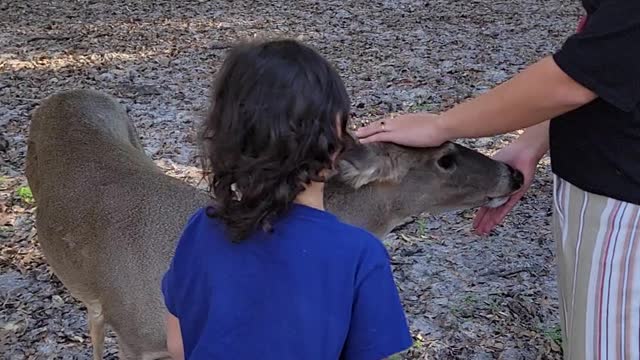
x=554, y=334
x=492, y=304
x=5, y=229
x=26, y=195
x=422, y=227
x=429, y=107
x=470, y=299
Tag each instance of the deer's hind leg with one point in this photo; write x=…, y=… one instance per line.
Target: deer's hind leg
x=96, y=329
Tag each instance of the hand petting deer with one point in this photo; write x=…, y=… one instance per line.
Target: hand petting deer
x=109, y=219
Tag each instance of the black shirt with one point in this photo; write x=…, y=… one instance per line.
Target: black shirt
x=597, y=146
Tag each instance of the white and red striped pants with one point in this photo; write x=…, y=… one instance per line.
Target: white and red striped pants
x=598, y=257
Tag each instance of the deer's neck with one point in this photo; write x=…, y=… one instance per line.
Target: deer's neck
x=369, y=207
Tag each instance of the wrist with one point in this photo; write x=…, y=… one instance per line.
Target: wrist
x=533, y=143
x=531, y=150
x=443, y=129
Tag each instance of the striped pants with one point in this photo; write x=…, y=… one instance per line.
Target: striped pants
x=598, y=258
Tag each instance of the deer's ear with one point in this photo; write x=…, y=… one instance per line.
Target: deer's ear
x=363, y=164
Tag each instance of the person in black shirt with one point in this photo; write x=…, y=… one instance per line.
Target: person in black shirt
x=583, y=104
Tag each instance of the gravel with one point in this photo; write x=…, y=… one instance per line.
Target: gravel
x=466, y=297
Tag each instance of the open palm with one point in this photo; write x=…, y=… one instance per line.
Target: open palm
x=486, y=218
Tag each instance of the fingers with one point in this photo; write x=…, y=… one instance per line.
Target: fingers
x=374, y=132
x=487, y=219
x=372, y=129
x=483, y=225
x=480, y=215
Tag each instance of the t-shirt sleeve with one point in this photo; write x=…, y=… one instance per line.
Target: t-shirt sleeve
x=378, y=325
x=605, y=55
x=173, y=280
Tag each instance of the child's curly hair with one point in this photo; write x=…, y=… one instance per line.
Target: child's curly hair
x=278, y=114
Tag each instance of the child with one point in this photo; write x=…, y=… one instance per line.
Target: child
x=267, y=273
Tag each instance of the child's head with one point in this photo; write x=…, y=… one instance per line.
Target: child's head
x=278, y=115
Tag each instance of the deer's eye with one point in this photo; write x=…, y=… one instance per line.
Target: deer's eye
x=446, y=162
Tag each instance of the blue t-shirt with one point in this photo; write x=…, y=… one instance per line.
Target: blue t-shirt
x=315, y=288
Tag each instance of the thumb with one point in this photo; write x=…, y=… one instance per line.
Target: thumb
x=382, y=136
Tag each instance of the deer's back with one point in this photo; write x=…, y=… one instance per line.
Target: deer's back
x=107, y=217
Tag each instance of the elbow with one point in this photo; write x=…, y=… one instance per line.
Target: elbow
x=176, y=353
x=575, y=96
x=568, y=92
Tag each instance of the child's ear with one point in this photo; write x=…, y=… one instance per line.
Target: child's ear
x=362, y=164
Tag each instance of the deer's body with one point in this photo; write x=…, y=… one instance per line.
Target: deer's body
x=94, y=191
x=108, y=218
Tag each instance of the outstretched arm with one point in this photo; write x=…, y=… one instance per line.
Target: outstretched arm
x=538, y=93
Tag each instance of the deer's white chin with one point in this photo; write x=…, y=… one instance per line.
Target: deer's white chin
x=497, y=202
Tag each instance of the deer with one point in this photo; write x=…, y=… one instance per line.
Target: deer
x=108, y=218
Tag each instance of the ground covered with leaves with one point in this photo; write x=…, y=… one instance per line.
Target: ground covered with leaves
x=466, y=297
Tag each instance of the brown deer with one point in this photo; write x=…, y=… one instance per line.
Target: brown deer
x=108, y=218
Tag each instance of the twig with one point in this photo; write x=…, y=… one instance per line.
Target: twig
x=513, y=272
x=219, y=46
x=54, y=38
x=19, y=98
x=506, y=273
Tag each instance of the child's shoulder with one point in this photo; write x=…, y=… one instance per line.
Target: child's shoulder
x=356, y=232
x=196, y=216
x=197, y=219
x=331, y=223
x=199, y=225
x=307, y=226
x=368, y=244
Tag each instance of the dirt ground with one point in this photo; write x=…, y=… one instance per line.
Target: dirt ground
x=466, y=297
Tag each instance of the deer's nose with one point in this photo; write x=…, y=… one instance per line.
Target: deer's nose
x=517, y=178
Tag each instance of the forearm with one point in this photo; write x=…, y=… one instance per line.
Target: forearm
x=174, y=337
x=538, y=93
